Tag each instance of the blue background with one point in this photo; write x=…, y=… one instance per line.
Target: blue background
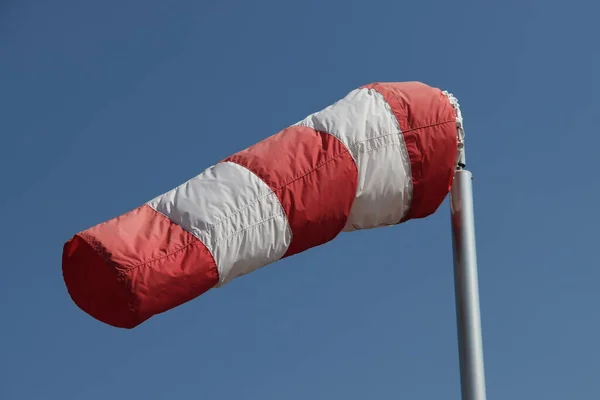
x=106, y=104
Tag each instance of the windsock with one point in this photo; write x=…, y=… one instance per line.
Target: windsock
x=382, y=155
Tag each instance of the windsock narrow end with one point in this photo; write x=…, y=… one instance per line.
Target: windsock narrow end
x=95, y=286
x=130, y=268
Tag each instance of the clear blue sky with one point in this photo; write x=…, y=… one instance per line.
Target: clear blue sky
x=106, y=104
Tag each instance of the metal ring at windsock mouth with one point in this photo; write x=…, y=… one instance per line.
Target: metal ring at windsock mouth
x=460, y=132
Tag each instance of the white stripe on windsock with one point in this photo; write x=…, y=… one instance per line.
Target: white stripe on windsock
x=234, y=213
x=364, y=122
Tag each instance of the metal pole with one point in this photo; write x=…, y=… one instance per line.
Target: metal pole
x=466, y=287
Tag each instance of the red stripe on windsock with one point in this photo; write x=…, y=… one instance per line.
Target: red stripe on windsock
x=428, y=125
x=128, y=269
x=313, y=175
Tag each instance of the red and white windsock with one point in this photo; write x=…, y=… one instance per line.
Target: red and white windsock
x=382, y=155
